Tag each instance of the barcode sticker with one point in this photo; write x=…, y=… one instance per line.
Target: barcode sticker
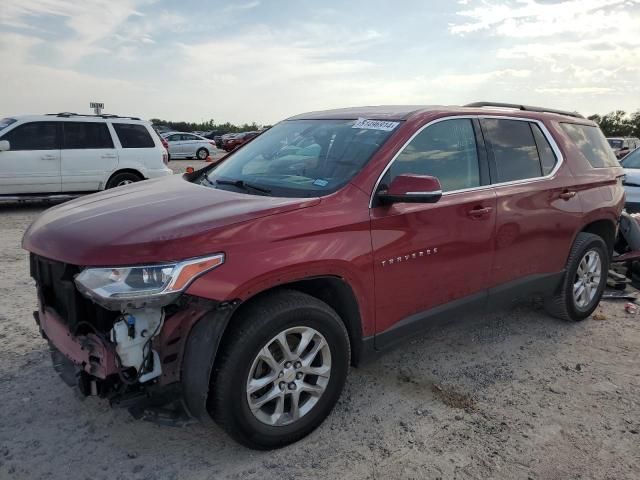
x=375, y=124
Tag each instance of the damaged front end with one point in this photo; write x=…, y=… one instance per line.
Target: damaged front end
x=121, y=333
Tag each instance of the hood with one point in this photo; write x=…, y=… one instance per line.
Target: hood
x=147, y=222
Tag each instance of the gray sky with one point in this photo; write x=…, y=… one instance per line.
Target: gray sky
x=263, y=60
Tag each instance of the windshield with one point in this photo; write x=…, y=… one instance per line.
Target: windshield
x=5, y=122
x=615, y=143
x=632, y=160
x=301, y=158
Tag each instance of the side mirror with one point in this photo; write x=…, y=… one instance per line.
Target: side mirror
x=411, y=189
x=5, y=146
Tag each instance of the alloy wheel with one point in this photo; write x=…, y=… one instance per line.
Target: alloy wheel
x=587, y=279
x=288, y=376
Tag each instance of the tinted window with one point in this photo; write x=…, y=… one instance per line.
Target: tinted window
x=133, y=136
x=514, y=149
x=5, y=122
x=173, y=138
x=545, y=152
x=33, y=136
x=82, y=135
x=190, y=137
x=632, y=160
x=592, y=144
x=445, y=150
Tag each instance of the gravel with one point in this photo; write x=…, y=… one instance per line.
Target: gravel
x=515, y=394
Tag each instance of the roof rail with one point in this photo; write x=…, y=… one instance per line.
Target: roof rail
x=525, y=108
x=103, y=115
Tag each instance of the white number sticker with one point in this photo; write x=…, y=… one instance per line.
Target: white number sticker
x=375, y=124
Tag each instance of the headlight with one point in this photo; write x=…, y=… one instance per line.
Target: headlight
x=151, y=285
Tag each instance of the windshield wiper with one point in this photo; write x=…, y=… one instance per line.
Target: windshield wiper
x=244, y=186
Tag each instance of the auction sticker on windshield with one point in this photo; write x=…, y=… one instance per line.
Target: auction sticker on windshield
x=375, y=124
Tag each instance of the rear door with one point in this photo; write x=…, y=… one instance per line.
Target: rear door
x=88, y=156
x=190, y=143
x=538, y=210
x=32, y=165
x=176, y=145
x=429, y=255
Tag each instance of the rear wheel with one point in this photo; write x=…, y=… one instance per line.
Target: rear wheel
x=281, y=372
x=584, y=280
x=202, y=153
x=123, y=178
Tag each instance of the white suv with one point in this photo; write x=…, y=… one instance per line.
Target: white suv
x=66, y=152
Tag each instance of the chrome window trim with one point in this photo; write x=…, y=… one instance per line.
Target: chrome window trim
x=543, y=128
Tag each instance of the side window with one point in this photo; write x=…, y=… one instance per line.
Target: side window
x=173, y=138
x=547, y=157
x=85, y=135
x=592, y=144
x=133, y=135
x=445, y=150
x=34, y=136
x=514, y=149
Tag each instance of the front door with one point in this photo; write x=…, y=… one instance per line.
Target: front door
x=431, y=255
x=32, y=164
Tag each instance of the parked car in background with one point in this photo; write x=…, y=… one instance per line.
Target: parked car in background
x=223, y=138
x=189, y=145
x=246, y=289
x=239, y=139
x=623, y=145
x=70, y=153
x=631, y=182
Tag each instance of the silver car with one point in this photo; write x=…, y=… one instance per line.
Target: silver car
x=631, y=165
x=189, y=145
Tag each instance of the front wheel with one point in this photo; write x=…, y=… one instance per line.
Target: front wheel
x=281, y=370
x=584, y=280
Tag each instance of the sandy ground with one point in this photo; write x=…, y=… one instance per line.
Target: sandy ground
x=512, y=395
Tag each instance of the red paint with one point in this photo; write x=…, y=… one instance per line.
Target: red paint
x=403, y=184
x=483, y=237
x=89, y=352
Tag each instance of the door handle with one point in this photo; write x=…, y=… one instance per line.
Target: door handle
x=49, y=157
x=108, y=155
x=479, y=212
x=567, y=194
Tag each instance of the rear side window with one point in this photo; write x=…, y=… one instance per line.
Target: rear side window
x=514, y=149
x=592, y=144
x=34, y=136
x=133, y=135
x=86, y=135
x=545, y=152
x=445, y=150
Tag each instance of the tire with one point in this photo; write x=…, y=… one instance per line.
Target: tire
x=123, y=178
x=202, y=154
x=564, y=304
x=284, y=311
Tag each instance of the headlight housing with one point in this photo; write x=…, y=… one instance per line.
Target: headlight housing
x=115, y=288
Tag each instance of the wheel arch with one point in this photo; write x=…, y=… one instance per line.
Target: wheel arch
x=332, y=290
x=208, y=334
x=124, y=170
x=605, y=229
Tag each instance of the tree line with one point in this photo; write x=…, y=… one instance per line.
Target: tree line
x=619, y=123
x=207, y=126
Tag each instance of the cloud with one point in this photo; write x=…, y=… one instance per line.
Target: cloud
x=241, y=6
x=580, y=48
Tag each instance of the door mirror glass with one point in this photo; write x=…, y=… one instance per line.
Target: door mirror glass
x=408, y=188
x=4, y=146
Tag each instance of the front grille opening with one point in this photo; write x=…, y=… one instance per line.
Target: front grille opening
x=58, y=291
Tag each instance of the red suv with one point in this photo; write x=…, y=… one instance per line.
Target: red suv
x=238, y=140
x=243, y=291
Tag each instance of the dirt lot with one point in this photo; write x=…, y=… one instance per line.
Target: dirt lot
x=510, y=395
